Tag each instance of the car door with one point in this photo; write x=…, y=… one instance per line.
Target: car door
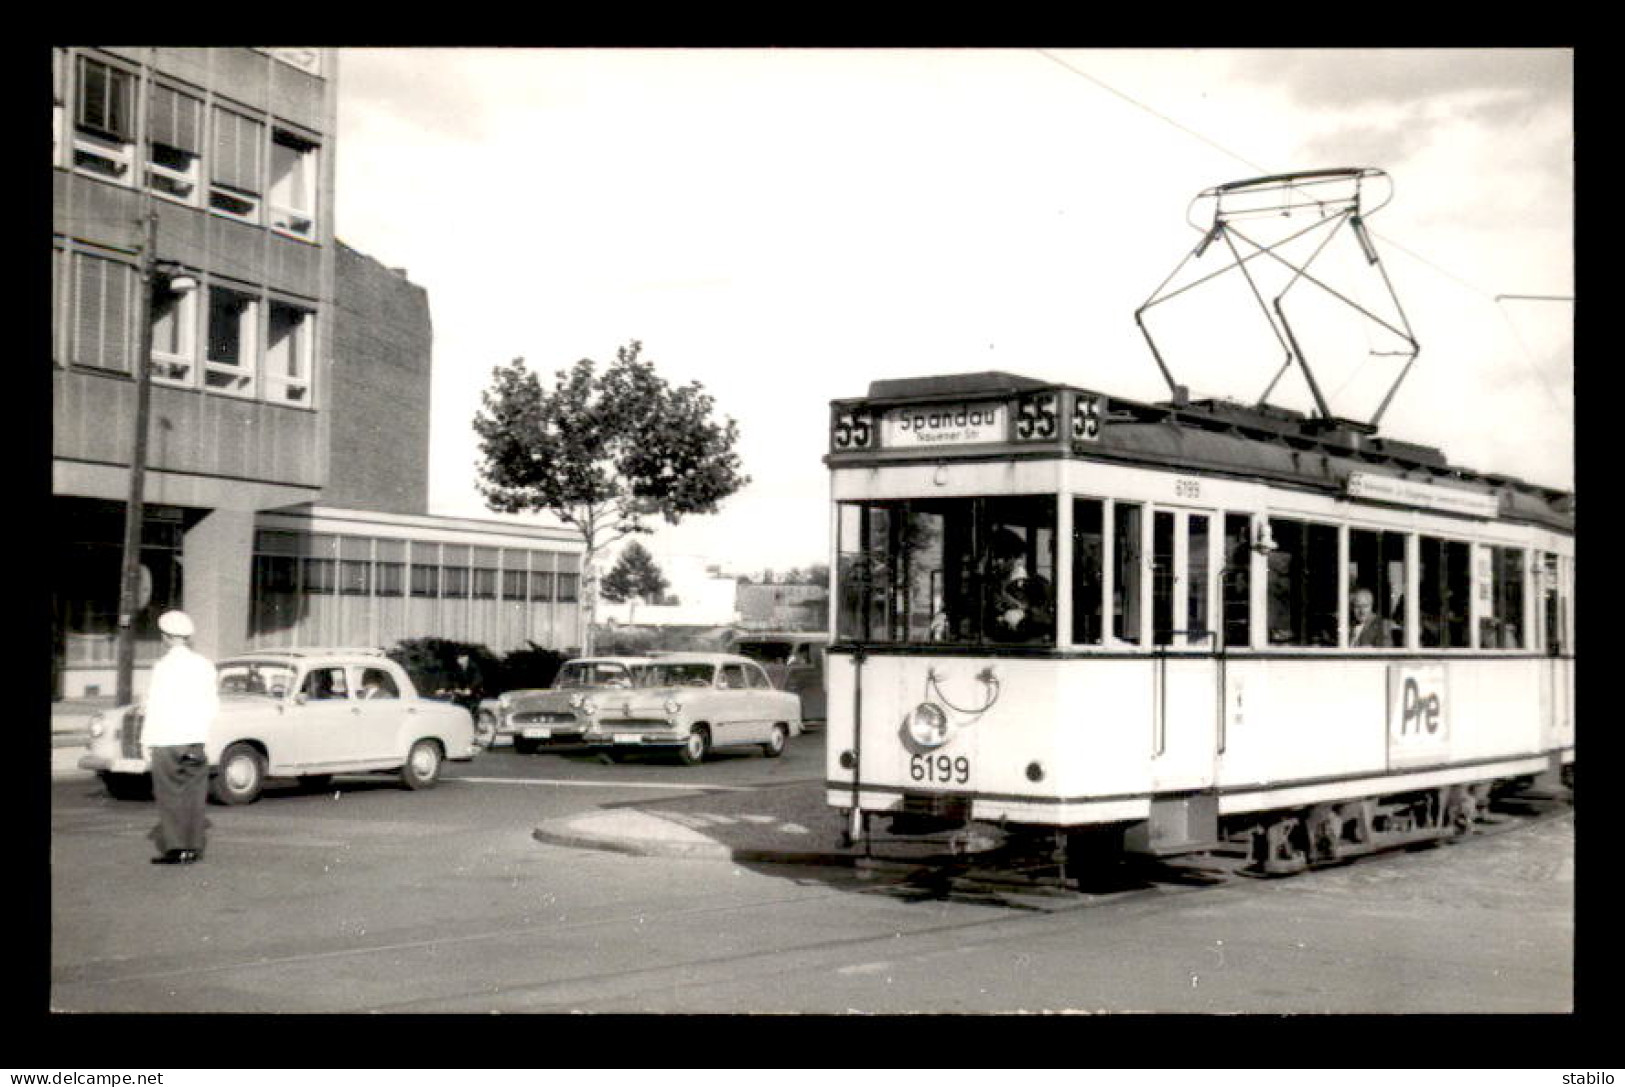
x=763, y=710
x=732, y=723
x=378, y=710
x=804, y=677
x=326, y=731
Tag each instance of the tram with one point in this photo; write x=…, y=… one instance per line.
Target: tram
x=1167, y=626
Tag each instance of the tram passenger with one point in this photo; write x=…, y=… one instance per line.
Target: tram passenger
x=1368, y=629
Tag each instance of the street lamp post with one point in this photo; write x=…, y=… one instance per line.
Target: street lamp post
x=130, y=571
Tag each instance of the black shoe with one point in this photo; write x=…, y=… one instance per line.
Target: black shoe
x=179, y=856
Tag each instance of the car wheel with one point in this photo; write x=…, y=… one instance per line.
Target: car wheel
x=422, y=768
x=522, y=746
x=239, y=777
x=485, y=729
x=127, y=786
x=775, y=746
x=696, y=747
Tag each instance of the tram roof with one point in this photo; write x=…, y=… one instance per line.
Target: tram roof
x=1253, y=441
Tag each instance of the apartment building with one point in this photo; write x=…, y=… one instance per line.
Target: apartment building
x=286, y=474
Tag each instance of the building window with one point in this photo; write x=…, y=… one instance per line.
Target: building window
x=355, y=577
x=232, y=326
x=104, y=312
x=104, y=128
x=425, y=580
x=293, y=184
x=174, y=144
x=541, y=585
x=568, y=586
x=1302, y=596
x=174, y=334
x=485, y=584
x=1502, y=627
x=234, y=171
x=289, y=348
x=319, y=576
x=390, y=578
x=1444, y=576
x=513, y=584
x=454, y=581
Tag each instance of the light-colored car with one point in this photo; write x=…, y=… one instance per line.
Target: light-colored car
x=794, y=661
x=693, y=703
x=299, y=713
x=541, y=717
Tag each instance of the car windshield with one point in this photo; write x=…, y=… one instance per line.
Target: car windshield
x=767, y=652
x=674, y=674
x=577, y=675
x=269, y=678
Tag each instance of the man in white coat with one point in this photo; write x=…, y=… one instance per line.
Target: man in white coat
x=181, y=706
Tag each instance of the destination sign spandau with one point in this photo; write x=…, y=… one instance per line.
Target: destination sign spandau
x=943, y=424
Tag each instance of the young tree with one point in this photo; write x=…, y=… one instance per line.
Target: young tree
x=634, y=577
x=603, y=451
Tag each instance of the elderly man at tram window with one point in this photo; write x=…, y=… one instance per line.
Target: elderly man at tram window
x=181, y=705
x=1368, y=629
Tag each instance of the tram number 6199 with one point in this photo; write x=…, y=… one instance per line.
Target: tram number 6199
x=939, y=769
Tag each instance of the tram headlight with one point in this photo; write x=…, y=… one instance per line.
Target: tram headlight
x=928, y=725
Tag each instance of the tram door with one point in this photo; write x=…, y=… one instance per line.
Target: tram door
x=1184, y=625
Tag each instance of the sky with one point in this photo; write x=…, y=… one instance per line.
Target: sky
x=786, y=225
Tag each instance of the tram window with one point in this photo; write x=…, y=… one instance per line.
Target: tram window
x=1196, y=566
x=1237, y=579
x=1302, y=586
x=959, y=570
x=1088, y=549
x=1551, y=596
x=1377, y=565
x=1444, y=578
x=1162, y=577
x=1503, y=627
x=1126, y=572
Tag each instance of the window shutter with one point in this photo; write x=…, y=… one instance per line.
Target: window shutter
x=102, y=313
x=236, y=151
x=104, y=99
x=175, y=120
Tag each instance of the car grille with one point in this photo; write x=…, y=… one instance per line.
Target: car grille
x=542, y=718
x=130, y=740
x=633, y=724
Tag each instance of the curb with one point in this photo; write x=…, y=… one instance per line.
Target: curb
x=561, y=833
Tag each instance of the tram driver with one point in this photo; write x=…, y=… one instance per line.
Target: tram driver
x=1020, y=605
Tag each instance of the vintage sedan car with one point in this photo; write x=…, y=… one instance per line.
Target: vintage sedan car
x=794, y=661
x=299, y=713
x=543, y=717
x=693, y=703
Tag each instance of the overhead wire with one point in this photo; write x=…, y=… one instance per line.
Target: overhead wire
x=1527, y=356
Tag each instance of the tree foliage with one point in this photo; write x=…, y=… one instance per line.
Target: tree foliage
x=635, y=575
x=603, y=451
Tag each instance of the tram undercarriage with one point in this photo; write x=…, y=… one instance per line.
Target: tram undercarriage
x=1277, y=842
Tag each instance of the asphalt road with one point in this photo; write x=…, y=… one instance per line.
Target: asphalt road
x=369, y=898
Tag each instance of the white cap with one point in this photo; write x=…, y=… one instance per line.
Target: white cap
x=176, y=623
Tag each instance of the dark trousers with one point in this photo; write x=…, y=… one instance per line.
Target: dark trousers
x=180, y=784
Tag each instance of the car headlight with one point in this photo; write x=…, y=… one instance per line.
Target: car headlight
x=928, y=725
x=98, y=726
x=588, y=706
x=673, y=707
